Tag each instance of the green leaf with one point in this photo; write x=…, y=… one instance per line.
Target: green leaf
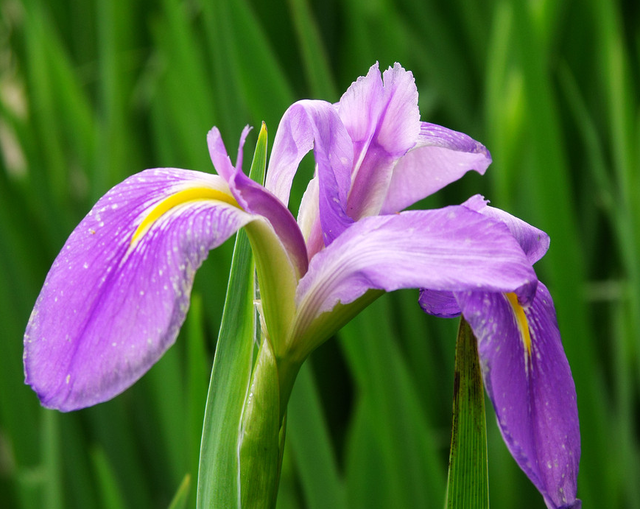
x=182, y=495
x=316, y=62
x=394, y=428
x=231, y=374
x=110, y=492
x=314, y=457
x=217, y=479
x=468, y=483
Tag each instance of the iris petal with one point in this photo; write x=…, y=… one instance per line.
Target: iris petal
x=446, y=249
x=533, y=241
x=383, y=120
x=439, y=157
x=532, y=392
x=110, y=308
x=255, y=199
x=315, y=124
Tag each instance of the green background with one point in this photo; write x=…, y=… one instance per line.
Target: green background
x=94, y=91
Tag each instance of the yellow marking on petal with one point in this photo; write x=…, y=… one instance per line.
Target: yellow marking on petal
x=179, y=198
x=521, y=319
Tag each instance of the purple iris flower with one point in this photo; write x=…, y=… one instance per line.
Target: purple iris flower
x=117, y=294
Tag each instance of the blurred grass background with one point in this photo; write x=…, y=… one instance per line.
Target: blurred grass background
x=94, y=91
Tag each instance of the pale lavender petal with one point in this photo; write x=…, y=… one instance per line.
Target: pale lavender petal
x=532, y=390
x=308, y=219
x=255, y=199
x=533, y=241
x=440, y=156
x=218, y=154
x=400, y=126
x=450, y=249
x=360, y=108
x=110, y=308
x=315, y=124
x=383, y=120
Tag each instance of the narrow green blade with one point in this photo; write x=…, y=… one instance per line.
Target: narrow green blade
x=468, y=484
x=315, y=458
x=217, y=479
x=231, y=375
x=182, y=495
x=110, y=492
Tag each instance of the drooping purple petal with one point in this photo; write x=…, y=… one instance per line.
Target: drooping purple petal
x=440, y=156
x=533, y=241
x=446, y=249
x=315, y=124
x=531, y=388
x=438, y=303
x=255, y=199
x=111, y=307
x=383, y=120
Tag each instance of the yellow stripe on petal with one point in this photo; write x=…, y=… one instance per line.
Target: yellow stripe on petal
x=521, y=320
x=180, y=198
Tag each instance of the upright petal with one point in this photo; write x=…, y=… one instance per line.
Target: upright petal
x=360, y=108
x=440, y=156
x=117, y=293
x=383, y=120
x=451, y=249
x=315, y=124
x=528, y=379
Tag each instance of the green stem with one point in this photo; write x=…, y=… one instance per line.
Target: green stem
x=260, y=434
x=468, y=482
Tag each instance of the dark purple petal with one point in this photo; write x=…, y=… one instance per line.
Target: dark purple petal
x=255, y=199
x=383, y=120
x=440, y=156
x=531, y=388
x=442, y=304
x=315, y=124
x=533, y=241
x=450, y=249
x=110, y=308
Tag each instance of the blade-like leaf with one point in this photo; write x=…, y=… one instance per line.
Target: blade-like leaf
x=182, y=495
x=314, y=457
x=468, y=483
x=231, y=375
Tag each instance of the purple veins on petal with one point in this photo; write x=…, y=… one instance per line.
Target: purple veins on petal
x=446, y=249
x=110, y=307
x=440, y=156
